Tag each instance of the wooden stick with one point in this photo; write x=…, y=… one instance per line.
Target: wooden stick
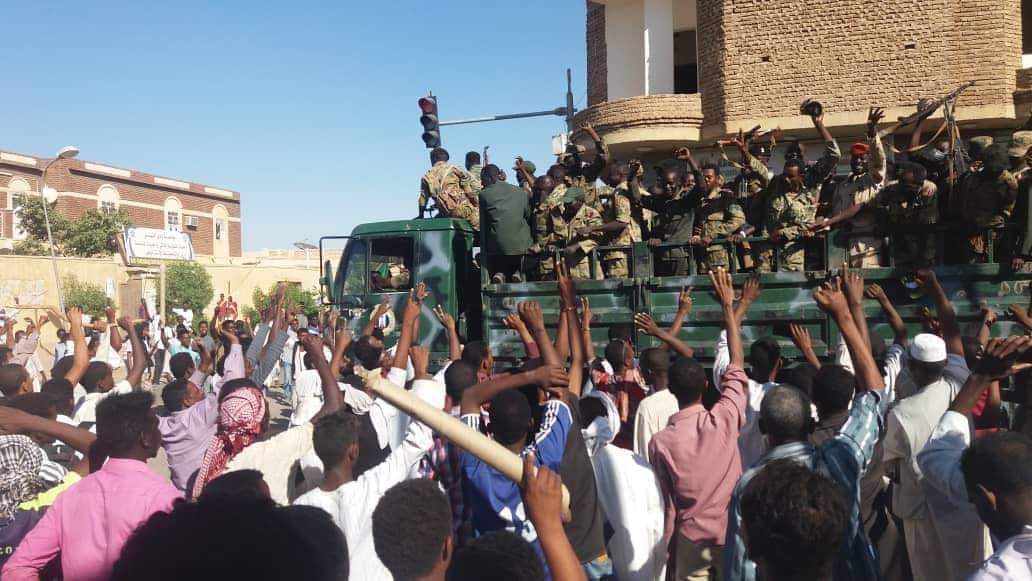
x=490, y=452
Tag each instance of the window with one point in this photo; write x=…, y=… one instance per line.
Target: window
x=107, y=199
x=686, y=62
x=173, y=215
x=352, y=275
x=220, y=229
x=17, y=189
x=390, y=264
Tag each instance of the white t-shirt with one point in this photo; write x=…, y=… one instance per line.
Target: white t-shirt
x=652, y=416
x=86, y=408
x=276, y=458
x=351, y=505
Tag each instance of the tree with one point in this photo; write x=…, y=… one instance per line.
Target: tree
x=90, y=296
x=92, y=234
x=187, y=283
x=305, y=300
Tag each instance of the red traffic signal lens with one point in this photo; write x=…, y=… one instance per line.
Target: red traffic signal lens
x=428, y=104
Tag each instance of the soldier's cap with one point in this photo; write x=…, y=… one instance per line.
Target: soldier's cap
x=572, y=149
x=759, y=149
x=859, y=149
x=573, y=193
x=978, y=143
x=928, y=348
x=527, y=165
x=1020, y=142
x=811, y=107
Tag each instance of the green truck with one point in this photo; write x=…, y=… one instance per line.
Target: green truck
x=382, y=260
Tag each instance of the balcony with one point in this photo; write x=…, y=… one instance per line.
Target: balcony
x=645, y=123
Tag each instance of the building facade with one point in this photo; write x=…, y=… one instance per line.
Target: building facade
x=663, y=73
x=209, y=215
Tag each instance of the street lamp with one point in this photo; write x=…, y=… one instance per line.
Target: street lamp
x=66, y=152
x=305, y=246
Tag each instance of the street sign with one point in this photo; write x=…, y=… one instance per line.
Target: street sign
x=158, y=244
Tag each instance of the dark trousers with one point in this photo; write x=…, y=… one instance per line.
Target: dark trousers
x=506, y=265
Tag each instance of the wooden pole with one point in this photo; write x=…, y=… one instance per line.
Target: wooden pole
x=490, y=452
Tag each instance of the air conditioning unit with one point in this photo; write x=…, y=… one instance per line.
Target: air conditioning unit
x=191, y=221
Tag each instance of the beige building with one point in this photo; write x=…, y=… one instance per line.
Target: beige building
x=663, y=73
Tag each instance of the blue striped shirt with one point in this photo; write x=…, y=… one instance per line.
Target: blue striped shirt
x=844, y=460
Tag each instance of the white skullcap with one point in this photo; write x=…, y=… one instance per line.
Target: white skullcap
x=928, y=348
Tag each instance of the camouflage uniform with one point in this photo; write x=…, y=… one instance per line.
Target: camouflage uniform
x=474, y=175
x=981, y=202
x=905, y=211
x=719, y=216
x=452, y=190
x=563, y=233
x=585, y=180
x=865, y=251
x=619, y=209
x=541, y=221
x=753, y=187
x=793, y=212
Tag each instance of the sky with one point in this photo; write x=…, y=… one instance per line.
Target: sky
x=309, y=109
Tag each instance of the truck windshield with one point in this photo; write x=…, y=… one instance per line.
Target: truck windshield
x=352, y=276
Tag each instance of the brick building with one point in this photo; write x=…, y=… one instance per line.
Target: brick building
x=211, y=216
x=663, y=73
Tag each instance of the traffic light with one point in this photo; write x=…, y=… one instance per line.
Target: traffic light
x=430, y=121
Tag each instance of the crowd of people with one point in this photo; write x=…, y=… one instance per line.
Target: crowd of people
x=690, y=211
x=877, y=462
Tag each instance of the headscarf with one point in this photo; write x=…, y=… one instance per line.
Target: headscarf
x=603, y=429
x=20, y=460
x=240, y=423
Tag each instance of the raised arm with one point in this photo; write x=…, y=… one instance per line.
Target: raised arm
x=514, y=322
x=803, y=342
x=895, y=321
x=999, y=360
x=205, y=366
x=545, y=377
x=684, y=306
x=116, y=337
x=139, y=355
x=332, y=398
x=826, y=165
x=15, y=421
x=585, y=330
x=531, y=314
x=646, y=325
x=413, y=308
x=381, y=309
x=448, y=322
x=831, y=300
x=340, y=345
x=542, y=495
x=750, y=292
x=568, y=301
x=562, y=334
x=985, y=326
x=944, y=309
x=724, y=290
x=81, y=357
x=853, y=288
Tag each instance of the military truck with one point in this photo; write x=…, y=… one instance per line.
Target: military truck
x=381, y=261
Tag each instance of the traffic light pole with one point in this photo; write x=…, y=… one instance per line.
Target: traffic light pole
x=558, y=111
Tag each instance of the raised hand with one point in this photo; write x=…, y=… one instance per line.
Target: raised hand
x=830, y=299
x=682, y=154
x=988, y=314
x=927, y=280
x=567, y=290
x=415, y=303
x=125, y=323
x=801, y=337
x=548, y=376
x=646, y=325
x=1000, y=357
x=723, y=287
x=313, y=345
x=751, y=289
x=444, y=317
x=853, y=285
x=585, y=313
x=874, y=117
x=382, y=309
x=420, y=356
x=684, y=300
x=531, y=314
x=875, y=292
x=74, y=316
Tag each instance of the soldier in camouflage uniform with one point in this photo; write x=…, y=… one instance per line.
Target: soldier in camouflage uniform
x=793, y=203
x=451, y=189
x=473, y=168
x=541, y=209
x=718, y=216
x=619, y=227
x=752, y=189
x=525, y=175
x=583, y=175
x=571, y=229
x=982, y=200
x=910, y=205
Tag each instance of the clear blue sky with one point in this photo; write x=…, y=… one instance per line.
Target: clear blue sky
x=307, y=108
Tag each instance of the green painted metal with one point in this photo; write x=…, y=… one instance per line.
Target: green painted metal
x=444, y=259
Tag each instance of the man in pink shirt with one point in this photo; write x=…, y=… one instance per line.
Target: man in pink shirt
x=89, y=522
x=696, y=457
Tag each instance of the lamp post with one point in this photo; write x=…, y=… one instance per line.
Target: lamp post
x=306, y=246
x=67, y=152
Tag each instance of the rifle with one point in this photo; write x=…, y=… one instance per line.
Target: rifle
x=485, y=155
x=924, y=111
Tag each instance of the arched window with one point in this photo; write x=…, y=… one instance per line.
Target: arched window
x=173, y=215
x=107, y=198
x=17, y=189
